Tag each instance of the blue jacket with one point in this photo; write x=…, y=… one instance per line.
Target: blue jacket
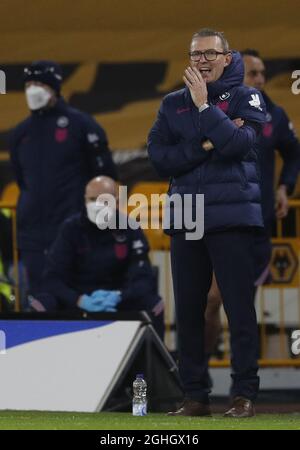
x=84, y=259
x=227, y=175
x=54, y=154
x=277, y=134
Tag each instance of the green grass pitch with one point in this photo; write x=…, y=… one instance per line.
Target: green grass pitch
x=34, y=420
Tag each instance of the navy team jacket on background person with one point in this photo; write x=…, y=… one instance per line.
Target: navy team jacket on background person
x=228, y=175
x=54, y=153
x=84, y=258
x=277, y=134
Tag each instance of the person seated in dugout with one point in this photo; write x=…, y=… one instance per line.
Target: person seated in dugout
x=96, y=266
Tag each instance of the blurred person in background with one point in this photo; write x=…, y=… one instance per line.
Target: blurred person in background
x=277, y=134
x=100, y=269
x=54, y=152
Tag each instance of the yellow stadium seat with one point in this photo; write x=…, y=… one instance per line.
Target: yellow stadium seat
x=10, y=194
x=158, y=240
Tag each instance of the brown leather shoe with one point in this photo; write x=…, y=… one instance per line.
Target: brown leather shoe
x=241, y=408
x=192, y=408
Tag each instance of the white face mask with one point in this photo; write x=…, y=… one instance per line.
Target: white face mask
x=100, y=214
x=37, y=97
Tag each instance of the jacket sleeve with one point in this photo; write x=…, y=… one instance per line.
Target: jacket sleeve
x=60, y=267
x=170, y=155
x=139, y=283
x=230, y=141
x=98, y=154
x=15, y=163
x=289, y=149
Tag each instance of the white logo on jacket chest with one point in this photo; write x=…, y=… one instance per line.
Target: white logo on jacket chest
x=92, y=138
x=255, y=102
x=62, y=122
x=137, y=244
x=224, y=96
x=120, y=238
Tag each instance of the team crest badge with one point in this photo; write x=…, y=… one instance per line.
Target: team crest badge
x=121, y=250
x=62, y=122
x=224, y=96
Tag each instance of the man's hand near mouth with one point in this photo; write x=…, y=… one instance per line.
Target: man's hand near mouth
x=197, y=86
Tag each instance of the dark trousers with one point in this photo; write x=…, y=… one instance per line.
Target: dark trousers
x=230, y=254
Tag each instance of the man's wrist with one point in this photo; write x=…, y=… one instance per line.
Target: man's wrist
x=203, y=107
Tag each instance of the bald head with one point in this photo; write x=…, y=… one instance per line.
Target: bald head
x=100, y=186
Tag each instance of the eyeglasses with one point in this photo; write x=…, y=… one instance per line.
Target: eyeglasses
x=209, y=55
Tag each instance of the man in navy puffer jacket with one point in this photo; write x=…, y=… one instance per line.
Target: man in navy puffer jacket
x=205, y=140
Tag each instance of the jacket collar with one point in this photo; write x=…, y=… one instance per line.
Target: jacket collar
x=232, y=76
x=269, y=104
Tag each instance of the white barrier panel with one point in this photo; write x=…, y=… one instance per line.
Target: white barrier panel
x=62, y=365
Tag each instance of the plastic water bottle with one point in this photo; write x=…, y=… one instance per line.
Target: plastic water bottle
x=139, y=401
